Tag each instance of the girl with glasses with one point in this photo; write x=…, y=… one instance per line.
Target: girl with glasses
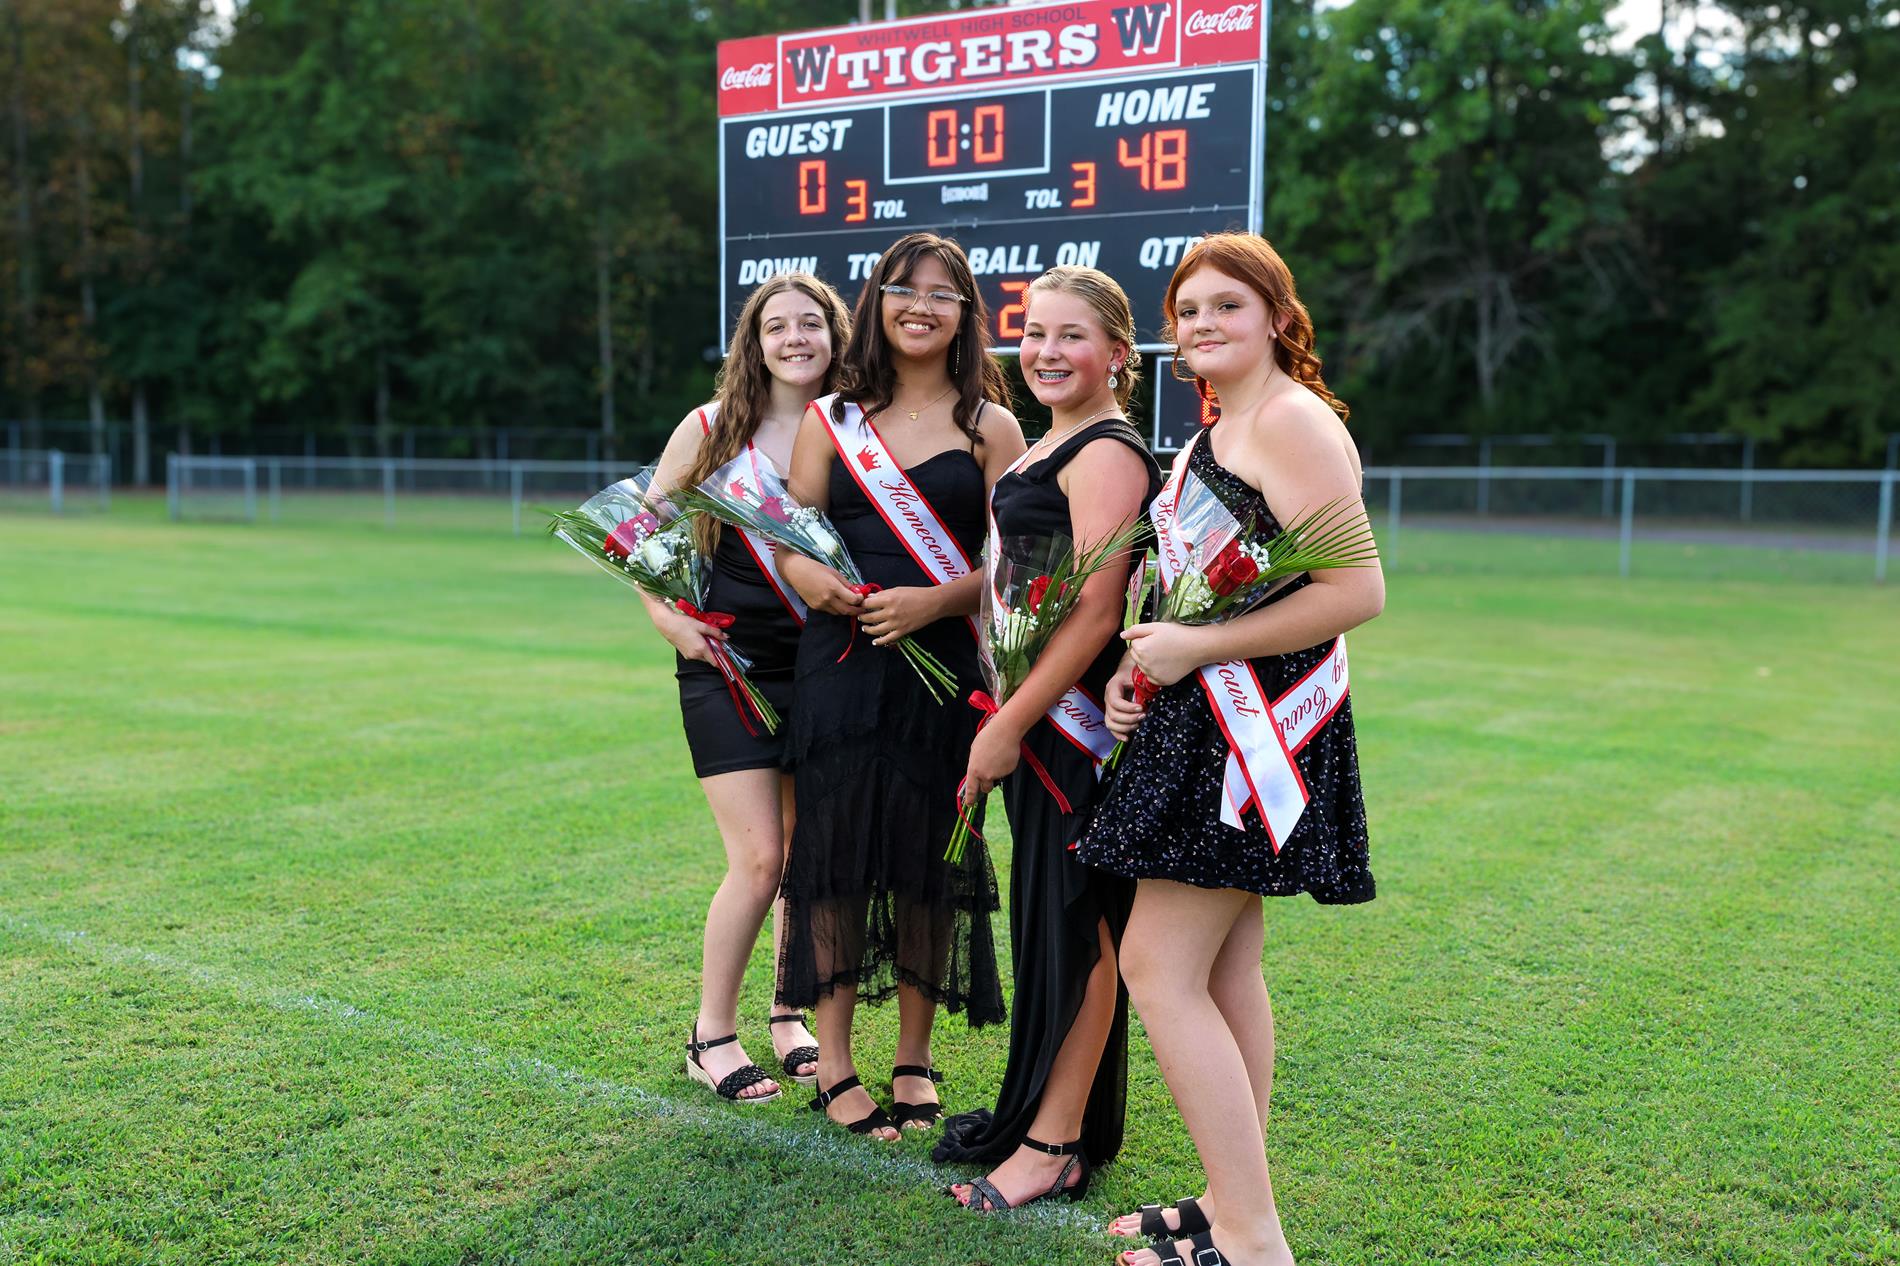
x=902, y=460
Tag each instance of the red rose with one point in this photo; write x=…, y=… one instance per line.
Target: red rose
x=1244, y=571
x=1038, y=590
x=774, y=509
x=1224, y=574
x=738, y=489
x=624, y=539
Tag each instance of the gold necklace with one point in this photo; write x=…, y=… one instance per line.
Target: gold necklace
x=920, y=408
x=1071, y=430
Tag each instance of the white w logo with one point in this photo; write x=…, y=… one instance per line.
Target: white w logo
x=1140, y=28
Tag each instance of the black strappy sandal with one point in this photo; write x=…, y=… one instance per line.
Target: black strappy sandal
x=993, y=1200
x=729, y=1086
x=877, y=1120
x=798, y=1054
x=924, y=1112
x=1200, y=1245
x=1192, y=1220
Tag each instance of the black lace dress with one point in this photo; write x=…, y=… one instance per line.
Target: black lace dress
x=1056, y=904
x=1160, y=818
x=869, y=899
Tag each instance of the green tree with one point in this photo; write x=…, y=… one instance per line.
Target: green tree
x=1440, y=177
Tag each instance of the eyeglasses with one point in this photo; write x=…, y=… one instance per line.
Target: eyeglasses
x=934, y=300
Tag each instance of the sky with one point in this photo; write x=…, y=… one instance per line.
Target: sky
x=1631, y=17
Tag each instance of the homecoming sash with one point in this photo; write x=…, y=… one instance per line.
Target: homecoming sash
x=904, y=509
x=1262, y=737
x=759, y=547
x=1077, y=715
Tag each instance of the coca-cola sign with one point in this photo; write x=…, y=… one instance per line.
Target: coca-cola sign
x=757, y=75
x=1237, y=17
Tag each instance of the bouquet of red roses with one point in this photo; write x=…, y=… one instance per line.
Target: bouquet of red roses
x=1224, y=572
x=750, y=494
x=1031, y=585
x=631, y=532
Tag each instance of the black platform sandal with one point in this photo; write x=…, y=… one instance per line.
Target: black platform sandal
x=729, y=1086
x=994, y=1201
x=877, y=1120
x=1188, y=1211
x=798, y=1054
x=924, y=1112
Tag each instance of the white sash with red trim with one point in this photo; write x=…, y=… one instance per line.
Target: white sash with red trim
x=1077, y=715
x=904, y=509
x=1262, y=738
x=758, y=546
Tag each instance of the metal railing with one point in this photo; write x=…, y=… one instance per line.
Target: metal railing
x=1843, y=514
x=67, y=481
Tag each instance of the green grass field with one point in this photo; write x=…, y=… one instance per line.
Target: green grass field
x=350, y=886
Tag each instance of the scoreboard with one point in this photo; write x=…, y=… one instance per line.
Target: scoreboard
x=1101, y=132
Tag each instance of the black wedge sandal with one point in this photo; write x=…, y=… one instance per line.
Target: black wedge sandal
x=798, y=1054
x=877, y=1120
x=928, y=1113
x=994, y=1201
x=1188, y=1211
x=729, y=1086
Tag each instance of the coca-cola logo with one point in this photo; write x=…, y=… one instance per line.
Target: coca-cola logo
x=1238, y=17
x=757, y=75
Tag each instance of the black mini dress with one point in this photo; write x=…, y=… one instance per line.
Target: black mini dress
x=766, y=632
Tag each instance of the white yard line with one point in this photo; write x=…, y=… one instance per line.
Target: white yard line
x=830, y=1146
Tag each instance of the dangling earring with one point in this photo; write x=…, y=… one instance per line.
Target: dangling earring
x=956, y=356
x=1113, y=381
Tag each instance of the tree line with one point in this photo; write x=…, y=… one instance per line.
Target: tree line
x=1506, y=217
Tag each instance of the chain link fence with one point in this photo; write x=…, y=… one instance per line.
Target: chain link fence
x=1519, y=520
x=1664, y=522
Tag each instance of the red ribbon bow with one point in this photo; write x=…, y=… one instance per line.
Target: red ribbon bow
x=1145, y=690
x=714, y=619
x=864, y=590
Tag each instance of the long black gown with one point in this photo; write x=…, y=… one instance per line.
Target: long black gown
x=1056, y=904
x=869, y=899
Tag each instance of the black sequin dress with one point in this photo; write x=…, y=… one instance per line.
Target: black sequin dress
x=1056, y=904
x=1160, y=818
x=869, y=899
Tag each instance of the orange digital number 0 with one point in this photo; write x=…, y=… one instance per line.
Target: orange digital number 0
x=811, y=186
